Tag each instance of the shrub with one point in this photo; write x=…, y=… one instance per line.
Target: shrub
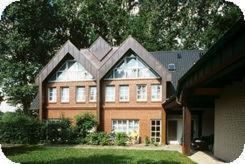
x=1, y=114
x=92, y=138
x=84, y=124
x=98, y=138
x=147, y=141
x=17, y=128
x=57, y=131
x=121, y=139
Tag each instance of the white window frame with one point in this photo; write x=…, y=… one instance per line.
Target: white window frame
x=153, y=91
x=137, y=92
x=123, y=91
x=52, y=90
x=75, y=73
x=117, y=127
x=64, y=96
x=83, y=92
x=156, y=131
x=90, y=93
x=138, y=66
x=110, y=93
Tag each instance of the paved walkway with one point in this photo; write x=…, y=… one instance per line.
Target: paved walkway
x=131, y=147
x=204, y=158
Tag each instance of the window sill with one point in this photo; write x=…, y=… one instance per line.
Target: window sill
x=65, y=102
x=141, y=101
x=110, y=101
x=124, y=101
x=155, y=101
x=80, y=102
x=52, y=102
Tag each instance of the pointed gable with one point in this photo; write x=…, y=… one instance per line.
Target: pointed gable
x=67, y=48
x=130, y=44
x=100, y=48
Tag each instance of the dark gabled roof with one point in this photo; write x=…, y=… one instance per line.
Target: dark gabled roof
x=183, y=60
x=100, y=48
x=67, y=48
x=130, y=44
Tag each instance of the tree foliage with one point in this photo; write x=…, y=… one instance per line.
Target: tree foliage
x=31, y=31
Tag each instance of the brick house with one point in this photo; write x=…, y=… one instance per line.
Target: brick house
x=169, y=96
x=123, y=86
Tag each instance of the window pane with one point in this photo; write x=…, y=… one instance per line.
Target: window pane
x=52, y=94
x=92, y=94
x=80, y=94
x=156, y=92
x=127, y=126
x=156, y=130
x=141, y=92
x=132, y=67
x=71, y=71
x=110, y=93
x=64, y=94
x=124, y=93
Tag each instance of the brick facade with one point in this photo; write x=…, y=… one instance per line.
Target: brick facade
x=132, y=110
x=230, y=123
x=72, y=108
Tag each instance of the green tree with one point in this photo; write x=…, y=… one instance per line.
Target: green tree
x=28, y=37
x=182, y=24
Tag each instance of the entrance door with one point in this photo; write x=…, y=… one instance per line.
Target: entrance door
x=172, y=131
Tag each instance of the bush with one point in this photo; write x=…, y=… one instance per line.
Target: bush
x=147, y=141
x=17, y=128
x=121, y=139
x=97, y=138
x=57, y=132
x=84, y=124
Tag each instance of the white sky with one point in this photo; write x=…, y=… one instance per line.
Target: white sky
x=4, y=3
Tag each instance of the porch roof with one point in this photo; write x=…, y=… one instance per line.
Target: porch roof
x=222, y=65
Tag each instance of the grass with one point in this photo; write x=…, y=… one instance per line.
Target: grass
x=38, y=154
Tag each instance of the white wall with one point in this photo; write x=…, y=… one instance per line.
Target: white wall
x=229, y=130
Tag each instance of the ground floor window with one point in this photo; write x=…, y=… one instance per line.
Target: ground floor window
x=126, y=126
x=156, y=130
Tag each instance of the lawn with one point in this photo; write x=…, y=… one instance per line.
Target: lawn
x=96, y=156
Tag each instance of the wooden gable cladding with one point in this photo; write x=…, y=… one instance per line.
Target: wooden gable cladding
x=100, y=48
x=131, y=44
x=67, y=48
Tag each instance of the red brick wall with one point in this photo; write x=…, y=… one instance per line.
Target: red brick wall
x=71, y=108
x=142, y=111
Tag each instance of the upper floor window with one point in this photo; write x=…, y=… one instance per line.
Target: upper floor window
x=171, y=67
x=123, y=93
x=110, y=93
x=80, y=94
x=64, y=94
x=52, y=94
x=71, y=71
x=141, y=93
x=156, y=92
x=92, y=94
x=130, y=67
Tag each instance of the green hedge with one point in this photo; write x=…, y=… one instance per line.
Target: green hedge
x=57, y=132
x=18, y=128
